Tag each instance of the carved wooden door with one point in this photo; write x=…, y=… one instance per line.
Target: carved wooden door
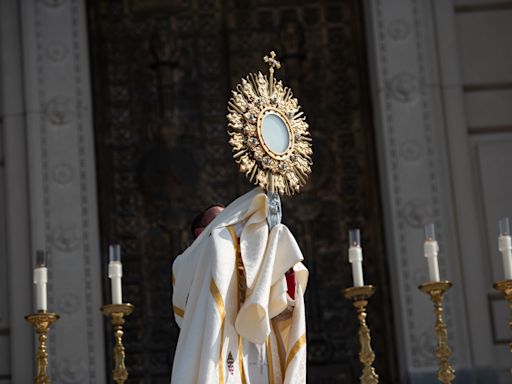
x=162, y=72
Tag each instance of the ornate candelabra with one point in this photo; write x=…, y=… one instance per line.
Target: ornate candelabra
x=117, y=313
x=41, y=321
x=436, y=290
x=505, y=287
x=359, y=297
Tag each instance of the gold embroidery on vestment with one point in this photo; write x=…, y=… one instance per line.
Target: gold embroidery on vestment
x=280, y=351
x=240, y=294
x=295, y=349
x=178, y=311
x=241, y=360
x=220, y=306
x=270, y=362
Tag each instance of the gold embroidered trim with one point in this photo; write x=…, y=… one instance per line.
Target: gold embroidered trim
x=295, y=349
x=239, y=276
x=270, y=362
x=239, y=265
x=218, y=299
x=234, y=237
x=178, y=311
x=222, y=311
x=241, y=360
x=280, y=351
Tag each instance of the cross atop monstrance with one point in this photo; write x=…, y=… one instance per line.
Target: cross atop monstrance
x=272, y=62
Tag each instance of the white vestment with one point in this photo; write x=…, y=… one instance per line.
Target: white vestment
x=213, y=345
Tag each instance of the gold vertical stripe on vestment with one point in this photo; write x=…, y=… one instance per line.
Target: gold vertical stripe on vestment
x=238, y=260
x=222, y=311
x=280, y=351
x=221, y=363
x=270, y=361
x=295, y=349
x=234, y=237
x=241, y=360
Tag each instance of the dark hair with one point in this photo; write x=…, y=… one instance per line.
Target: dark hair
x=198, y=221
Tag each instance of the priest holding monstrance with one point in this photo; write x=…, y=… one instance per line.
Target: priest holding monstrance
x=232, y=295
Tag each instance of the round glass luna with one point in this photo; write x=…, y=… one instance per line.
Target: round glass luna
x=275, y=133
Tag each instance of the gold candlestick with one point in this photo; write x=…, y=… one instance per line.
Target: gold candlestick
x=505, y=287
x=436, y=289
x=41, y=321
x=360, y=296
x=116, y=313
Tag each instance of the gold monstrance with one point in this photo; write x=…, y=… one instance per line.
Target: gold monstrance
x=269, y=133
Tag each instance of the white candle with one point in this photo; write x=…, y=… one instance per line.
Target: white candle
x=505, y=247
x=355, y=257
x=115, y=272
x=431, y=249
x=40, y=280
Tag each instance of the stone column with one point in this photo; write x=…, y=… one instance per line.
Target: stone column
x=62, y=181
x=416, y=186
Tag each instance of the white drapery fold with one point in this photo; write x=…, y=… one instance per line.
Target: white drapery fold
x=205, y=299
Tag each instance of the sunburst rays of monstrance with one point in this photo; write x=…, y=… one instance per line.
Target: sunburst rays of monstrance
x=269, y=133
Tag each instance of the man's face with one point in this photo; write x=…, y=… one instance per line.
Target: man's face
x=208, y=217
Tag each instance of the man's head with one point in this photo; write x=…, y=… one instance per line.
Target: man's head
x=202, y=220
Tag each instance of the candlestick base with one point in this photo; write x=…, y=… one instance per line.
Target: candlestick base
x=436, y=290
x=505, y=287
x=360, y=296
x=41, y=321
x=117, y=313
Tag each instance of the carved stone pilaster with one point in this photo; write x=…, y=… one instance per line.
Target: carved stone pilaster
x=415, y=181
x=62, y=181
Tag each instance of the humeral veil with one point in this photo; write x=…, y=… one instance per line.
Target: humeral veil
x=216, y=326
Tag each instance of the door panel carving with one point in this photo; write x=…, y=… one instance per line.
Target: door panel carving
x=162, y=73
